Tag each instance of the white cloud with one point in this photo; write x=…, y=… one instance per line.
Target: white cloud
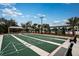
x=67, y=3
x=35, y=16
x=41, y=15
x=23, y=16
x=27, y=16
x=7, y=4
x=59, y=22
x=45, y=19
x=14, y=8
x=3, y=15
x=11, y=12
x=56, y=21
x=65, y=21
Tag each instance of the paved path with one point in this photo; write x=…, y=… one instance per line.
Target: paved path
x=42, y=40
x=75, y=50
x=34, y=48
x=64, y=45
x=1, y=38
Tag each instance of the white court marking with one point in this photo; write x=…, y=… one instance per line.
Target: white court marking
x=34, y=48
x=65, y=45
x=6, y=47
x=52, y=37
x=1, y=38
x=14, y=47
x=42, y=40
x=14, y=51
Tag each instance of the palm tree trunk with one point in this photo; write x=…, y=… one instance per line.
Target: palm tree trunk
x=73, y=31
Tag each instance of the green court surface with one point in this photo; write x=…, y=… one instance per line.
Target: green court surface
x=48, y=38
x=43, y=45
x=12, y=47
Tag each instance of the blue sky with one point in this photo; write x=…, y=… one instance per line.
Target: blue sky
x=54, y=13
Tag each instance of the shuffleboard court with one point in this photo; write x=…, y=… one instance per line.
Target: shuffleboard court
x=48, y=38
x=12, y=47
x=27, y=44
x=43, y=45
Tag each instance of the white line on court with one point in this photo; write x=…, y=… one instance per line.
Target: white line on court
x=14, y=51
x=55, y=36
x=51, y=36
x=51, y=54
x=7, y=46
x=34, y=48
x=14, y=47
x=1, y=38
x=65, y=45
x=42, y=40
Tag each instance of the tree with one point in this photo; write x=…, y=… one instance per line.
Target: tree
x=5, y=23
x=39, y=28
x=63, y=30
x=12, y=22
x=34, y=27
x=73, y=22
x=22, y=25
x=46, y=28
x=28, y=26
x=55, y=29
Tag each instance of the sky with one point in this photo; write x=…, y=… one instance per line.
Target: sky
x=54, y=13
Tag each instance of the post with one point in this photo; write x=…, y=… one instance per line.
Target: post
x=8, y=30
x=41, y=17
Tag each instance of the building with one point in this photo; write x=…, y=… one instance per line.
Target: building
x=15, y=29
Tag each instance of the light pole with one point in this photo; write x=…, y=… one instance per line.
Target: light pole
x=41, y=17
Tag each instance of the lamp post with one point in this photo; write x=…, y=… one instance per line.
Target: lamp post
x=8, y=30
x=42, y=17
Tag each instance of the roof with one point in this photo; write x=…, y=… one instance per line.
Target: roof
x=60, y=26
x=16, y=27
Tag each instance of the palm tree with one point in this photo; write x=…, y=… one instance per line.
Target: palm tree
x=34, y=27
x=73, y=22
x=12, y=22
x=56, y=30
x=44, y=28
x=39, y=28
x=48, y=28
x=63, y=30
x=28, y=26
x=22, y=25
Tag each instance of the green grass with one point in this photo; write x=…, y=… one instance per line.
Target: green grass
x=10, y=50
x=48, y=38
x=43, y=45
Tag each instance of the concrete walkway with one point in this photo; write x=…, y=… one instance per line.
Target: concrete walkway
x=75, y=49
x=64, y=45
x=1, y=38
x=34, y=48
x=42, y=40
